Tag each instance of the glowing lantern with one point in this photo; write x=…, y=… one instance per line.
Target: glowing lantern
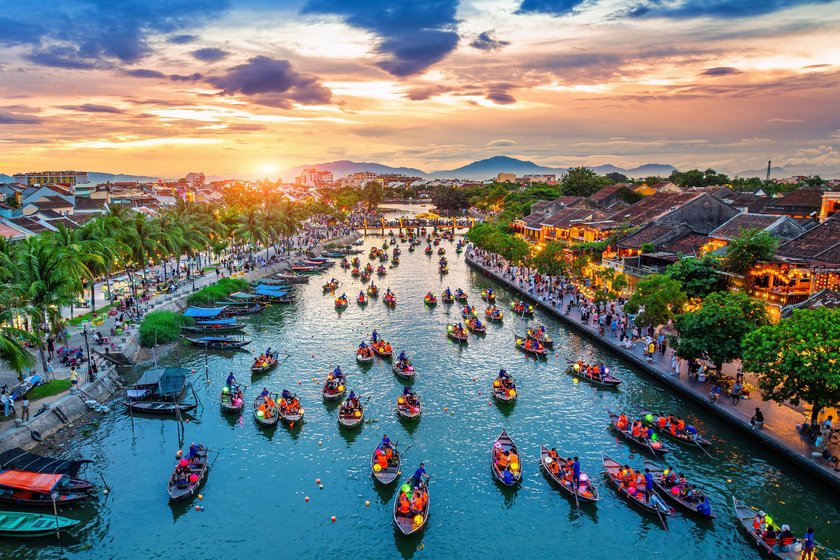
x=400, y=400
x=512, y=392
x=225, y=389
x=418, y=519
x=358, y=414
x=341, y=388
x=405, y=488
x=649, y=417
x=577, y=367
x=514, y=466
x=497, y=383
x=376, y=467
x=260, y=414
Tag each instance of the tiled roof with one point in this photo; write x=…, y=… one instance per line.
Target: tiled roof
x=540, y=205
x=10, y=232
x=52, y=202
x=652, y=207
x=648, y=234
x=688, y=244
x=49, y=213
x=29, y=224
x=821, y=243
x=90, y=203
x=606, y=192
x=823, y=298
x=566, y=217
x=66, y=222
x=741, y=222
x=533, y=221
x=801, y=199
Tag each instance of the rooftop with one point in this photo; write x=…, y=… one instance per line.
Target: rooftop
x=652, y=207
x=741, y=222
x=821, y=243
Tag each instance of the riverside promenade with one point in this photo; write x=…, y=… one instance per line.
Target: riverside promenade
x=779, y=432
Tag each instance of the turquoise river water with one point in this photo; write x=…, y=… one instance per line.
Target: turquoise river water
x=255, y=495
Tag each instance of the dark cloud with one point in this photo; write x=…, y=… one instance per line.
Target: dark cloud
x=144, y=73
x=499, y=94
x=422, y=93
x=13, y=118
x=551, y=7
x=87, y=34
x=189, y=78
x=720, y=71
x=272, y=82
x=715, y=8
x=413, y=35
x=182, y=39
x=210, y=54
x=486, y=42
x=91, y=108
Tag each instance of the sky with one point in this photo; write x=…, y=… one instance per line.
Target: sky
x=250, y=88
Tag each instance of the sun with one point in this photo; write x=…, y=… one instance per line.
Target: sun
x=268, y=169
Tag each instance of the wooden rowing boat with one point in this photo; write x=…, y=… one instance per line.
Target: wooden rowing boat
x=656, y=507
x=218, y=342
x=364, y=355
x=541, y=337
x=684, y=438
x=522, y=308
x=22, y=524
x=390, y=299
x=351, y=417
x=430, y=300
x=493, y=313
x=417, y=521
x=388, y=474
x=180, y=489
x=529, y=346
x=660, y=482
x=382, y=349
x=505, y=443
x=290, y=416
x=362, y=300
x=461, y=295
x=404, y=369
x=455, y=334
x=265, y=367
x=474, y=325
x=745, y=515
x=502, y=394
x=607, y=381
x=260, y=417
x=655, y=447
x=334, y=388
x=225, y=400
x=405, y=410
x=488, y=296
x=587, y=495
x=447, y=298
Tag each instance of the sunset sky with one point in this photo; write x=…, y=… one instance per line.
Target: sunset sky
x=247, y=88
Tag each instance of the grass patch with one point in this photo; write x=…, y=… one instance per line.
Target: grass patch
x=100, y=312
x=161, y=327
x=49, y=389
x=218, y=291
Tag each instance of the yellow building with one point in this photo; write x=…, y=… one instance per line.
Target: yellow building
x=51, y=178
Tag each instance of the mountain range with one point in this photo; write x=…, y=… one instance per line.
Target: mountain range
x=475, y=171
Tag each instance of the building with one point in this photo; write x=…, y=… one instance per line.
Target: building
x=69, y=178
x=506, y=178
x=781, y=227
x=662, y=186
x=531, y=225
x=801, y=203
x=361, y=178
x=314, y=177
x=612, y=197
x=195, y=180
x=830, y=204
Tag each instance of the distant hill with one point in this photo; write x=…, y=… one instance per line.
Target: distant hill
x=489, y=168
x=345, y=167
x=650, y=170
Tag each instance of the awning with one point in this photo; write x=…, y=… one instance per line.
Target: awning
x=242, y=295
x=218, y=322
x=267, y=291
x=21, y=460
x=42, y=483
x=172, y=382
x=205, y=312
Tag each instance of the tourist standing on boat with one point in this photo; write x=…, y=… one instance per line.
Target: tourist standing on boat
x=419, y=475
x=576, y=471
x=231, y=380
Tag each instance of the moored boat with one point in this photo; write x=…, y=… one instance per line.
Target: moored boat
x=218, y=342
x=32, y=489
x=504, y=460
x=23, y=524
x=560, y=475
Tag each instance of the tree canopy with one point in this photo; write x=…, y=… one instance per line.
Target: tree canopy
x=697, y=178
x=657, y=300
x=798, y=359
x=582, y=181
x=749, y=248
x=715, y=331
x=449, y=199
x=699, y=276
x=491, y=238
x=551, y=259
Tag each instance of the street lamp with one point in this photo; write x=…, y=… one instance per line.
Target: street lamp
x=194, y=272
x=87, y=349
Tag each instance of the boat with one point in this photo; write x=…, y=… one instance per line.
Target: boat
x=158, y=391
x=33, y=489
x=415, y=522
x=522, y=308
x=228, y=401
x=504, y=391
x=456, y=334
x=460, y=295
x=656, y=507
x=221, y=325
x=364, y=355
x=341, y=302
x=430, y=299
x=331, y=285
x=745, y=515
x=373, y=291
x=266, y=411
x=218, y=342
x=652, y=445
x=292, y=278
x=660, y=480
x=184, y=485
x=592, y=374
x=408, y=406
x=390, y=298
x=290, y=409
x=382, y=349
x=488, y=295
x=428, y=250
x=362, y=299
x=365, y=276
x=355, y=272
x=474, y=325
x=351, y=414
x=447, y=297
x=530, y=346
x=236, y=309
x=468, y=311
x=493, y=313
x=395, y=260
x=20, y=460
x=264, y=363
x=586, y=491
x=22, y=524
x=389, y=473
x=381, y=271
x=334, y=387
x=441, y=251
x=503, y=444
x=540, y=335
x=404, y=369
x=444, y=269
x=684, y=437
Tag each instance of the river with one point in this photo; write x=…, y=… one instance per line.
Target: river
x=255, y=496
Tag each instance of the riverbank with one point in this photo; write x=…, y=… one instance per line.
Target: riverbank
x=779, y=432
x=67, y=410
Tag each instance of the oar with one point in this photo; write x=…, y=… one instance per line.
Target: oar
x=661, y=519
x=574, y=486
x=703, y=449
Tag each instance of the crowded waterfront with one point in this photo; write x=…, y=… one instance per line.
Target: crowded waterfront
x=315, y=481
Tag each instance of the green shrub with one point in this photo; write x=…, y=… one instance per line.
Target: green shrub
x=209, y=295
x=160, y=327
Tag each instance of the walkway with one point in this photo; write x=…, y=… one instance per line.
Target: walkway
x=779, y=432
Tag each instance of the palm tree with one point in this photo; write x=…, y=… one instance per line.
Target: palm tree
x=81, y=255
x=250, y=227
x=106, y=232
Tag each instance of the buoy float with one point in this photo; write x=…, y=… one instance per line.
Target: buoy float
x=197, y=508
x=201, y=496
x=317, y=481
x=332, y=518
x=320, y=443
x=306, y=499
x=320, y=486
x=367, y=503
